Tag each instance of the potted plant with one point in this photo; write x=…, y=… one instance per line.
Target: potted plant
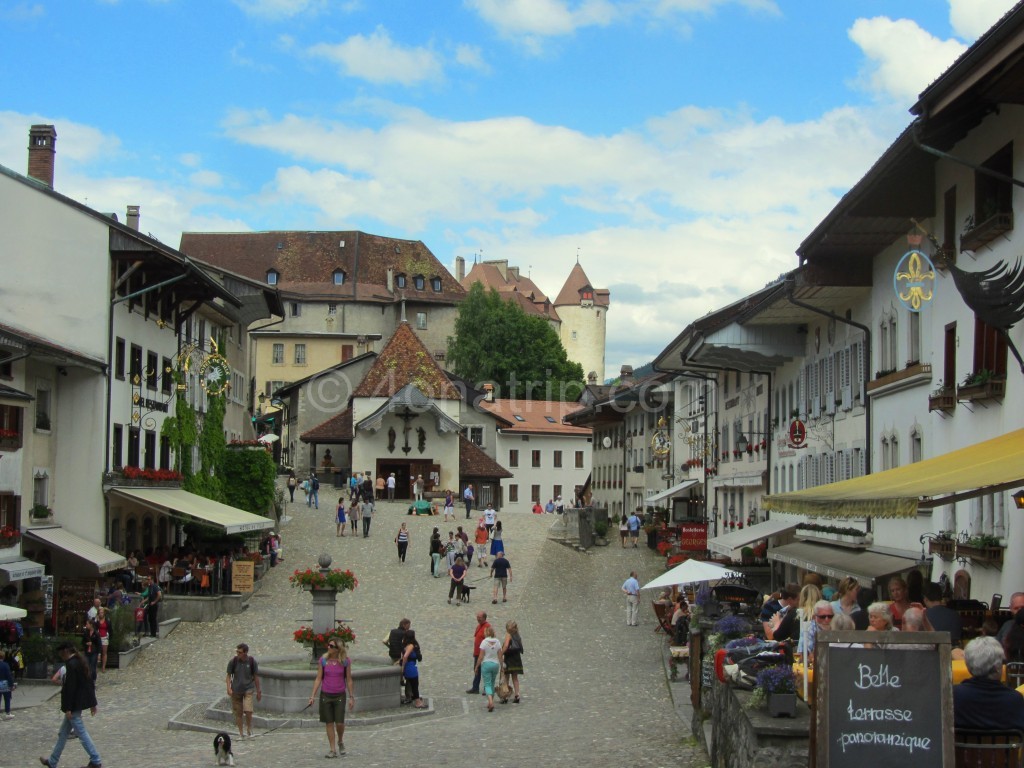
x=778, y=688
x=40, y=512
x=35, y=651
x=942, y=398
x=747, y=555
x=334, y=579
x=601, y=533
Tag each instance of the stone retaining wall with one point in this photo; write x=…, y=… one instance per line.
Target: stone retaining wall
x=377, y=684
x=750, y=738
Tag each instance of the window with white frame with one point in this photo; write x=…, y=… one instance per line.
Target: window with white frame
x=332, y=309
x=300, y=354
x=41, y=488
x=914, y=338
x=339, y=277
x=916, y=445
x=277, y=356
x=421, y=320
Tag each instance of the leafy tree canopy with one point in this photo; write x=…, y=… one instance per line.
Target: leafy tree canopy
x=496, y=341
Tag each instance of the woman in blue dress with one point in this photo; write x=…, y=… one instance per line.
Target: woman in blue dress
x=339, y=517
x=410, y=671
x=496, y=542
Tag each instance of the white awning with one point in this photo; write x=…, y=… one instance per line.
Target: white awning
x=675, y=490
x=18, y=570
x=728, y=542
x=9, y=613
x=104, y=560
x=837, y=562
x=172, y=501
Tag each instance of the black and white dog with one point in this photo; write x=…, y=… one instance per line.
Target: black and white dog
x=222, y=749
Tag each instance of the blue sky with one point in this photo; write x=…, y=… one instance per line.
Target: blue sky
x=683, y=148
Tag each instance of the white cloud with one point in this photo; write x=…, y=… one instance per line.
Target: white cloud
x=280, y=9
x=972, y=18
x=694, y=196
x=23, y=11
x=378, y=59
x=205, y=179
x=472, y=57
x=903, y=59
x=543, y=18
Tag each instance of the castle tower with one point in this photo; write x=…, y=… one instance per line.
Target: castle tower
x=583, y=310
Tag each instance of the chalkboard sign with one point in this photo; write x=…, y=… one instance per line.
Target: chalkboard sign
x=886, y=705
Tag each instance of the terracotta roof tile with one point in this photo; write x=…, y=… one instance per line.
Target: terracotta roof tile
x=512, y=287
x=306, y=262
x=473, y=462
x=405, y=360
x=335, y=430
x=536, y=416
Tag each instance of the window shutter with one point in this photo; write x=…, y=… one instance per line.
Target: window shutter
x=830, y=384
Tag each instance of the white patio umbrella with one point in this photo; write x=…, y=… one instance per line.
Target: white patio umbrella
x=267, y=438
x=690, y=572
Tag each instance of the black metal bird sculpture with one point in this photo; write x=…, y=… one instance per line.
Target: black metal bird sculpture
x=996, y=295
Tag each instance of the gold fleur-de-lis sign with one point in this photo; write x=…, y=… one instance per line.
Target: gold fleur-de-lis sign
x=914, y=280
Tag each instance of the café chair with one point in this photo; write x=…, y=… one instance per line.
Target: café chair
x=1015, y=674
x=988, y=749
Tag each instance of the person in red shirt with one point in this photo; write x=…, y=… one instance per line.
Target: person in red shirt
x=478, y=637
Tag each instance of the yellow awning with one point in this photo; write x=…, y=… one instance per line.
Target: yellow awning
x=174, y=500
x=989, y=467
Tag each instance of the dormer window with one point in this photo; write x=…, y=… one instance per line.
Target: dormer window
x=400, y=281
x=435, y=284
x=272, y=275
x=419, y=281
x=587, y=295
x=339, y=277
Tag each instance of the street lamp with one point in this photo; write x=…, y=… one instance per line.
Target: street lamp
x=1018, y=498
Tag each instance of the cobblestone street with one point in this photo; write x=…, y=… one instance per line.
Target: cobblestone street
x=594, y=691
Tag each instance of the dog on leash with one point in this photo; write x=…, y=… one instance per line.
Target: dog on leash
x=222, y=749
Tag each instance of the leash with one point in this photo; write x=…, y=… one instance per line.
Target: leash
x=281, y=725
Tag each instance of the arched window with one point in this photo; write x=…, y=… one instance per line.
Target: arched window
x=115, y=535
x=131, y=535
x=339, y=277
x=916, y=445
x=419, y=282
x=272, y=276
x=147, y=533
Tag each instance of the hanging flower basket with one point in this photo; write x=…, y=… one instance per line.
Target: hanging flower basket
x=343, y=633
x=9, y=536
x=314, y=579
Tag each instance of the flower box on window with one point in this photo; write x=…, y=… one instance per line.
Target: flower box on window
x=987, y=231
x=942, y=400
x=992, y=389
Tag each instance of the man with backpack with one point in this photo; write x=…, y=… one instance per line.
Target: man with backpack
x=243, y=680
x=313, y=498
x=151, y=597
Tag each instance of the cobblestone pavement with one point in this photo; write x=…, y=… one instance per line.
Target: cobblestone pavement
x=594, y=689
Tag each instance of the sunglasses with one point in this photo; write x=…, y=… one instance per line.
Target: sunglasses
x=332, y=645
x=824, y=616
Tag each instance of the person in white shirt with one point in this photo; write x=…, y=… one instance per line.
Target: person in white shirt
x=391, y=487
x=490, y=517
x=631, y=589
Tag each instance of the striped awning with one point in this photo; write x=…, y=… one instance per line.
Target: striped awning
x=992, y=466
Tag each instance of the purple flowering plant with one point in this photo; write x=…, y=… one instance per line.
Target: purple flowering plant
x=776, y=679
x=732, y=626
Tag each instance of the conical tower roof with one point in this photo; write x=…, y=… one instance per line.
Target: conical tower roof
x=577, y=281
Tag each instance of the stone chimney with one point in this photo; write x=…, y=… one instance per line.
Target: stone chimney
x=626, y=376
x=502, y=266
x=514, y=271
x=460, y=268
x=489, y=393
x=42, y=149
x=391, y=280
x=132, y=217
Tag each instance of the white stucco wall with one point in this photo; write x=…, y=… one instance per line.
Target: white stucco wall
x=56, y=270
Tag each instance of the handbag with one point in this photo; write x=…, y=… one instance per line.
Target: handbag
x=515, y=644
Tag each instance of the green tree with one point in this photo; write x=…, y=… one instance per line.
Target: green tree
x=496, y=341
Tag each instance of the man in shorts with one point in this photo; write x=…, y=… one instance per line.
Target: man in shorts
x=243, y=680
x=501, y=571
x=633, y=524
